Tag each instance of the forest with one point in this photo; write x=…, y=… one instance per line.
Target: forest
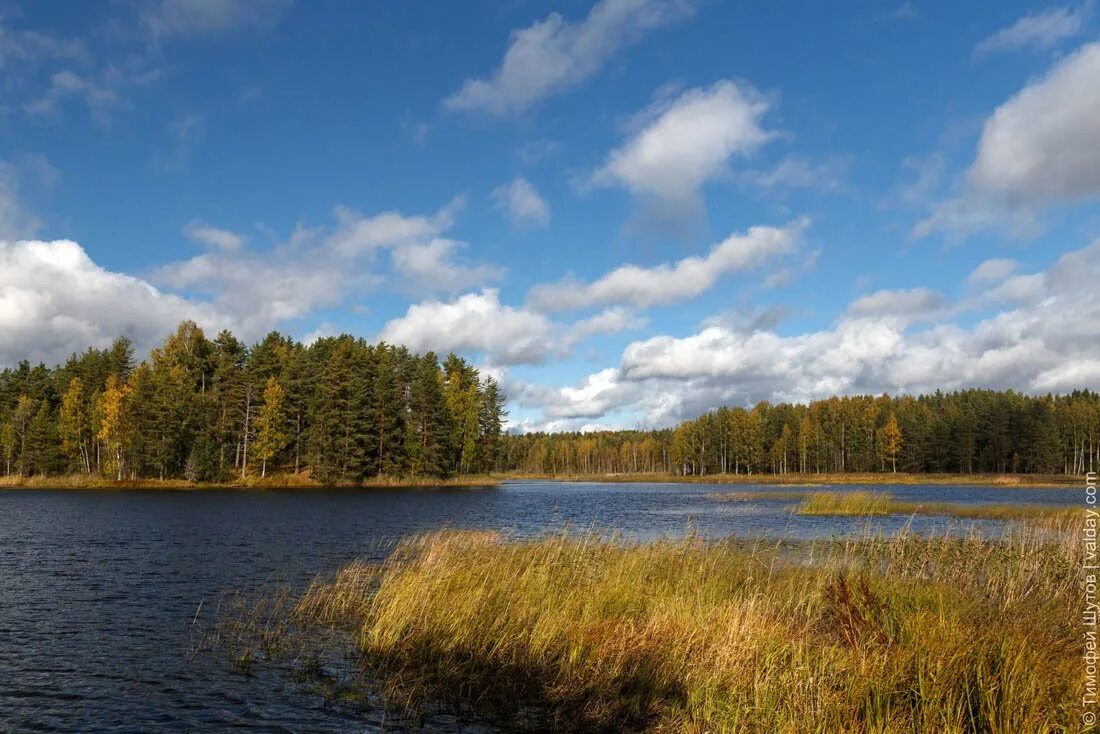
x=964, y=432
x=339, y=409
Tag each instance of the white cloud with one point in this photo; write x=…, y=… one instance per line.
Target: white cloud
x=1038, y=148
x=356, y=234
x=1040, y=30
x=261, y=290
x=1042, y=144
x=911, y=304
x=552, y=54
x=671, y=282
x=54, y=300
x=688, y=142
x=185, y=18
x=993, y=270
x=473, y=323
x=429, y=267
x=221, y=239
x=608, y=321
x=525, y=208
x=1049, y=339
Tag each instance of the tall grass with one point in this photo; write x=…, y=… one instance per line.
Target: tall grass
x=882, y=503
x=846, y=503
x=902, y=634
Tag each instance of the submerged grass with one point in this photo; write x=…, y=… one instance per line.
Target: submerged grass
x=901, y=634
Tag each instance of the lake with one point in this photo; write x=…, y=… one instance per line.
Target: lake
x=100, y=588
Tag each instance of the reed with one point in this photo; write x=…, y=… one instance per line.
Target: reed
x=882, y=503
x=900, y=634
x=847, y=503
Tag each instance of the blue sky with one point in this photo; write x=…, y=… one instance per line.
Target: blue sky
x=628, y=211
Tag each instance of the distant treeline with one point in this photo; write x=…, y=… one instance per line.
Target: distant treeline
x=970, y=431
x=216, y=410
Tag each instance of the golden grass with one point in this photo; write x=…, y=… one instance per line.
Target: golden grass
x=846, y=503
x=902, y=634
x=861, y=503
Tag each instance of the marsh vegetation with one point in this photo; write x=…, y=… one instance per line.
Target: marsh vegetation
x=953, y=633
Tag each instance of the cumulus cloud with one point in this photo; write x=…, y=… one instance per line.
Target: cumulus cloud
x=687, y=142
x=672, y=282
x=553, y=54
x=1040, y=30
x=430, y=267
x=357, y=235
x=1049, y=340
x=54, y=300
x=522, y=203
x=1041, y=144
x=261, y=290
x=474, y=323
x=1038, y=148
x=478, y=324
x=221, y=239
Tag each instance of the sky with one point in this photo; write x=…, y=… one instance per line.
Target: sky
x=628, y=212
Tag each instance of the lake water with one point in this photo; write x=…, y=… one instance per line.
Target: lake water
x=100, y=588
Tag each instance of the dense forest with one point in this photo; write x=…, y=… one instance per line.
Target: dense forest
x=215, y=410
x=971, y=431
x=342, y=410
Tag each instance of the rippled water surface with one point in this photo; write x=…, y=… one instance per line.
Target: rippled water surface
x=100, y=589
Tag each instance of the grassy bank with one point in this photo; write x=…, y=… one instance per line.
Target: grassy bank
x=905, y=634
x=274, y=481
x=977, y=480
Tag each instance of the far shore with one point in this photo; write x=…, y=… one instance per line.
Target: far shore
x=304, y=481
x=1030, y=481
x=275, y=481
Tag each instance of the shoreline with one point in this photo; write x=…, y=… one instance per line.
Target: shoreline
x=280, y=481
x=304, y=481
x=999, y=481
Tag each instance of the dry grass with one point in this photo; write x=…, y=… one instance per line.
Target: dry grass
x=903, y=634
x=846, y=503
x=882, y=503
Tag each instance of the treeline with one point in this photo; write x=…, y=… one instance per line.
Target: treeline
x=970, y=431
x=215, y=410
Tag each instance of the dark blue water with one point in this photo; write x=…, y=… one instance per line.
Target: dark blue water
x=100, y=588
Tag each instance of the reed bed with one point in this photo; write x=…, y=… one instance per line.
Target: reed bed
x=575, y=633
x=883, y=503
x=847, y=503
